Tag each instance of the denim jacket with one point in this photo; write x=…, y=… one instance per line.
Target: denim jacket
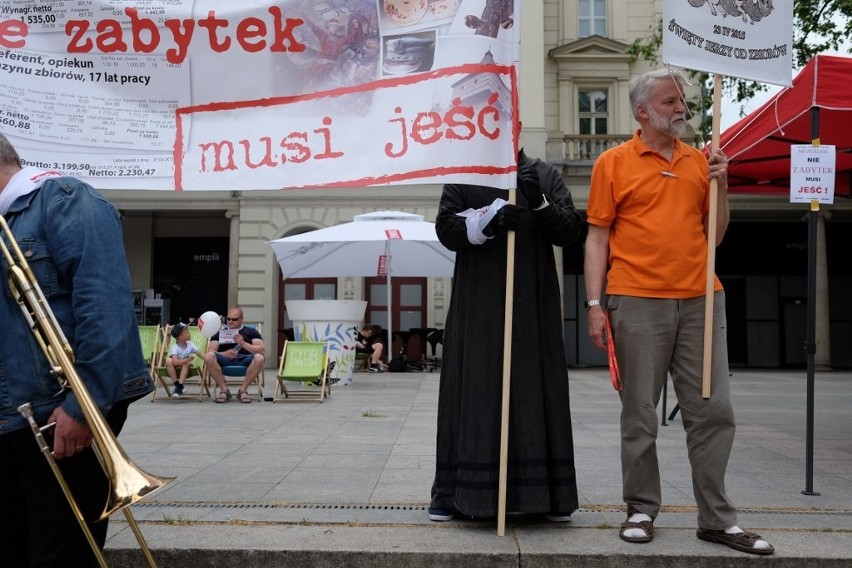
x=71, y=238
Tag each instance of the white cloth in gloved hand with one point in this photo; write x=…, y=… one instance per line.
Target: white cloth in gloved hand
x=477, y=219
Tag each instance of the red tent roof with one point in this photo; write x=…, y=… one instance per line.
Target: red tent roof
x=758, y=146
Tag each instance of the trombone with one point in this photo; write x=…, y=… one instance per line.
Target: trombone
x=128, y=482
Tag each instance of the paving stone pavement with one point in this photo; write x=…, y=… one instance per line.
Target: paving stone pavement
x=347, y=481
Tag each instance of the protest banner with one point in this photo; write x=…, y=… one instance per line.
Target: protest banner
x=812, y=173
x=750, y=39
x=257, y=94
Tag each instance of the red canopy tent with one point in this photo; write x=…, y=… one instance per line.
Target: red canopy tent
x=758, y=146
x=817, y=106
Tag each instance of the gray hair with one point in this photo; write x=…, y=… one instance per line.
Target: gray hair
x=8, y=154
x=640, y=86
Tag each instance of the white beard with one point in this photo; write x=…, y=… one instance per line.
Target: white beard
x=670, y=127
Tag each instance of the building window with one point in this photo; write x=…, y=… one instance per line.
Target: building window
x=592, y=17
x=593, y=111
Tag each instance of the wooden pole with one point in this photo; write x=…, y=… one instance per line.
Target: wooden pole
x=507, y=376
x=711, y=248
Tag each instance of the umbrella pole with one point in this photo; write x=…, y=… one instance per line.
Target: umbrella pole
x=507, y=376
x=711, y=248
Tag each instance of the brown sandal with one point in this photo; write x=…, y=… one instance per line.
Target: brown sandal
x=742, y=541
x=646, y=526
x=243, y=396
x=224, y=396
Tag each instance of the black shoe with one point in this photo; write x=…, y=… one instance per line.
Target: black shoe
x=441, y=515
x=178, y=391
x=376, y=369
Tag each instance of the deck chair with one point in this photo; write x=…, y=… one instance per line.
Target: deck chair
x=415, y=354
x=303, y=362
x=433, y=362
x=362, y=361
x=148, y=336
x=197, y=372
x=200, y=341
x=234, y=374
x=160, y=374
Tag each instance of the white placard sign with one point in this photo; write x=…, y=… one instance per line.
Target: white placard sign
x=812, y=170
x=228, y=336
x=751, y=39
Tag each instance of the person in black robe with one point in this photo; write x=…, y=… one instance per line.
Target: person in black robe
x=473, y=221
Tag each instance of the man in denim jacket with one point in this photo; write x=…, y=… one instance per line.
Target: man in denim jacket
x=71, y=238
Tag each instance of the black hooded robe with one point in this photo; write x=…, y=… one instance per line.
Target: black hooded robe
x=541, y=476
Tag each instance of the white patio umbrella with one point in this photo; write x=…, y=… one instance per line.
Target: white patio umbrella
x=392, y=243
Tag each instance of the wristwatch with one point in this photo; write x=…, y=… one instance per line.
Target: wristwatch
x=589, y=303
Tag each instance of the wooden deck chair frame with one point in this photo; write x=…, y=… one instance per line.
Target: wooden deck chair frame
x=233, y=376
x=304, y=362
x=160, y=373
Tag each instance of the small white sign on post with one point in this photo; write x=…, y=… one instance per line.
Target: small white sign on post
x=812, y=171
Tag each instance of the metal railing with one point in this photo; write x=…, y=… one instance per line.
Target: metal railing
x=587, y=147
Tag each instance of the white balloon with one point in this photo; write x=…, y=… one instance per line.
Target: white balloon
x=209, y=324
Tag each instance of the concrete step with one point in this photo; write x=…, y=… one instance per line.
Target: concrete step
x=472, y=544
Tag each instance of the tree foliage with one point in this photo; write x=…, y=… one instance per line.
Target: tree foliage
x=819, y=26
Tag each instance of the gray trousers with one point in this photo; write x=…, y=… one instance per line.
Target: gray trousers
x=654, y=337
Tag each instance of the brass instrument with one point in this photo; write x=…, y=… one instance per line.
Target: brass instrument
x=128, y=483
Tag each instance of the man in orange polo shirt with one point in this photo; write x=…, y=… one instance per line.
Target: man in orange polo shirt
x=647, y=215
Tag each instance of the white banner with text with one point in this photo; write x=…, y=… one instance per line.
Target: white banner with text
x=749, y=39
x=259, y=94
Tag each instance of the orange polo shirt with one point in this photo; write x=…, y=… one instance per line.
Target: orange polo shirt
x=655, y=211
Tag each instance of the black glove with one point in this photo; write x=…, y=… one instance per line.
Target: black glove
x=528, y=182
x=507, y=218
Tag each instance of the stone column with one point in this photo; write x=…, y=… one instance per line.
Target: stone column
x=531, y=83
x=348, y=289
x=822, y=357
x=233, y=258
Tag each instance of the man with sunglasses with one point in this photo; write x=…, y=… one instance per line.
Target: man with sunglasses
x=237, y=345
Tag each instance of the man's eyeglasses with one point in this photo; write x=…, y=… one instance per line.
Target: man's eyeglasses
x=233, y=319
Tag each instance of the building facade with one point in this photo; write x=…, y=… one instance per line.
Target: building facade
x=208, y=250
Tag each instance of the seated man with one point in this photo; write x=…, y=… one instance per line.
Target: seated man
x=368, y=342
x=236, y=345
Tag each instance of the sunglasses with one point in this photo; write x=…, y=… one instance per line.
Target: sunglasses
x=233, y=319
